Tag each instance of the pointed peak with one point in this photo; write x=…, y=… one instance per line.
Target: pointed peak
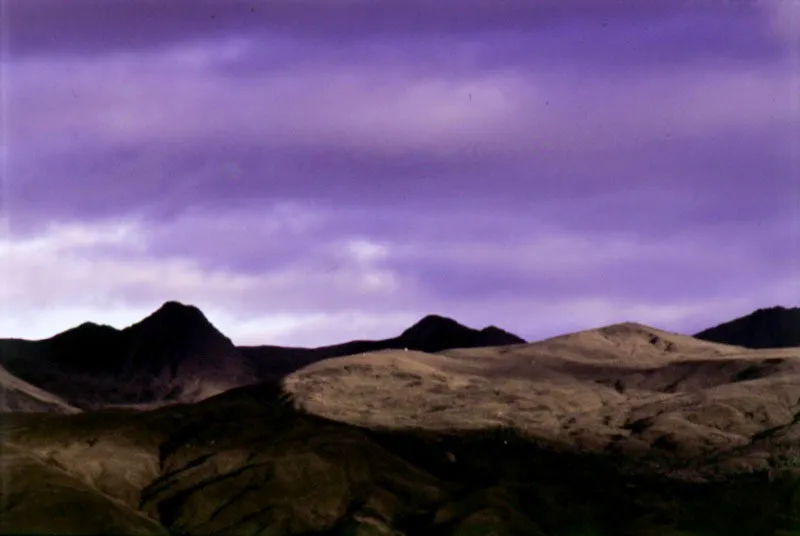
x=173, y=313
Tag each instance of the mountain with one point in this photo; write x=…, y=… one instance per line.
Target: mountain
x=774, y=327
x=433, y=333
x=177, y=355
x=173, y=355
x=622, y=430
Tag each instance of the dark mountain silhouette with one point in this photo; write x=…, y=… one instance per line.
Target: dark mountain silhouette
x=432, y=333
x=435, y=333
x=773, y=327
x=175, y=354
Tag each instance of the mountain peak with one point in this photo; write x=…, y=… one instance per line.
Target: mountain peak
x=177, y=320
x=174, y=312
x=176, y=307
x=434, y=333
x=432, y=324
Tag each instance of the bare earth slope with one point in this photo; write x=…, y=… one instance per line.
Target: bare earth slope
x=19, y=395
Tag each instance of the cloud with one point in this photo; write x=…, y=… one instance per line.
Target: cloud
x=784, y=20
x=85, y=27
x=74, y=266
x=171, y=98
x=158, y=134
x=365, y=285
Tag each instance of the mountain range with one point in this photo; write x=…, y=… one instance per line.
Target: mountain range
x=177, y=355
x=166, y=427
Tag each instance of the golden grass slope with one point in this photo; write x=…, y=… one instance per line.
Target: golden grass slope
x=622, y=388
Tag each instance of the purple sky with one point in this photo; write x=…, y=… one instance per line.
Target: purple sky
x=311, y=171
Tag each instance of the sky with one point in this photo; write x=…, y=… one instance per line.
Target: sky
x=312, y=171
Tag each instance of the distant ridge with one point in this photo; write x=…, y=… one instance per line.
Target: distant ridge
x=433, y=333
x=773, y=327
x=176, y=355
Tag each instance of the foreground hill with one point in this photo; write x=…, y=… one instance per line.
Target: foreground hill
x=626, y=388
x=623, y=431
x=775, y=327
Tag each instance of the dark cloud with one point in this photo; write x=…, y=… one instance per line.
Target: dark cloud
x=659, y=186
x=102, y=27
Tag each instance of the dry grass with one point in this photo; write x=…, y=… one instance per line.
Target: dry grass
x=625, y=387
